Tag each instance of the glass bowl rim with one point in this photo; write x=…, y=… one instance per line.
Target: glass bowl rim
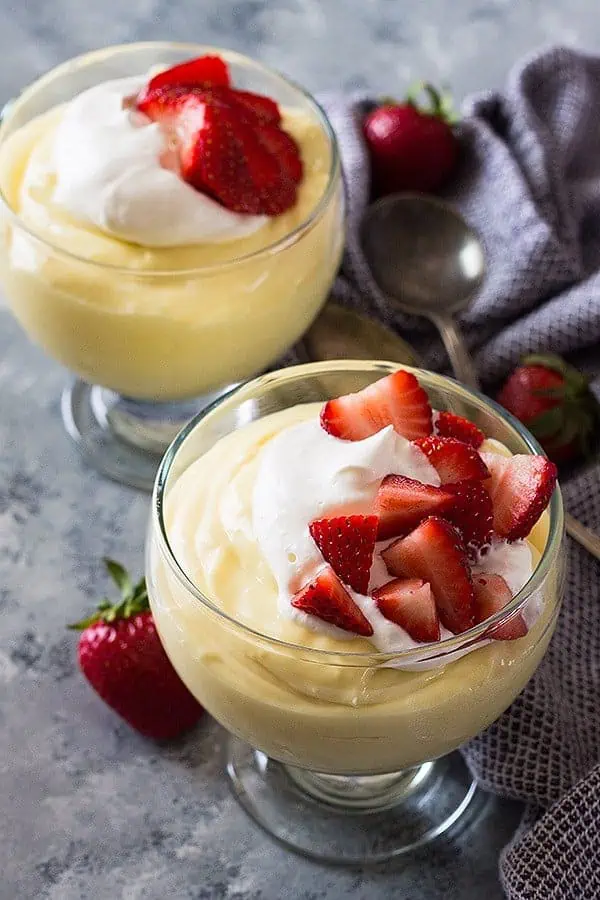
x=473, y=636
x=291, y=237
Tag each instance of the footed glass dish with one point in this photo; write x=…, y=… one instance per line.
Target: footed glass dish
x=347, y=757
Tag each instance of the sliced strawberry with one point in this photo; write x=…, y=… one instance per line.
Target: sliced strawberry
x=285, y=148
x=434, y=552
x=520, y=487
x=221, y=154
x=397, y=400
x=491, y=595
x=448, y=424
x=410, y=604
x=219, y=150
x=452, y=460
x=202, y=71
x=261, y=108
x=402, y=503
x=327, y=598
x=472, y=513
x=162, y=104
x=275, y=190
x=347, y=544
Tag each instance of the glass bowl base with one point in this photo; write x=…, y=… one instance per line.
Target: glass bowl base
x=351, y=820
x=125, y=439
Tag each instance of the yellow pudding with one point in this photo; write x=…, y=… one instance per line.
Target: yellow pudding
x=298, y=697
x=162, y=323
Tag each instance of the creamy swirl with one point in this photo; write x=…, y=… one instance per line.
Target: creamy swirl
x=108, y=172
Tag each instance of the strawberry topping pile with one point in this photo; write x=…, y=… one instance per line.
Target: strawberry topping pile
x=429, y=536
x=224, y=142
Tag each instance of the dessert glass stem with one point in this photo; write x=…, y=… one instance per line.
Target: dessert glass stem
x=350, y=820
x=122, y=437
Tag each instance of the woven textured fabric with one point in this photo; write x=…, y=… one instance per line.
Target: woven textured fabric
x=529, y=182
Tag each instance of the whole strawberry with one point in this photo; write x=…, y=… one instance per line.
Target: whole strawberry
x=123, y=659
x=555, y=402
x=411, y=148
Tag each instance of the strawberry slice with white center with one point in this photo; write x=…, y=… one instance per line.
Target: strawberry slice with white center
x=398, y=400
x=326, y=598
x=453, y=460
x=402, y=503
x=200, y=72
x=347, y=544
x=520, y=487
x=472, y=513
x=448, y=424
x=491, y=595
x=162, y=104
x=409, y=603
x=434, y=552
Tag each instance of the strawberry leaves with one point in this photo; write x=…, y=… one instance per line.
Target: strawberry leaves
x=134, y=599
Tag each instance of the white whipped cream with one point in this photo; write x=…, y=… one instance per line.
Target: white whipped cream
x=107, y=163
x=305, y=474
x=514, y=563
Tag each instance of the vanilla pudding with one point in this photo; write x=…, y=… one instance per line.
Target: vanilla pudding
x=298, y=697
x=126, y=274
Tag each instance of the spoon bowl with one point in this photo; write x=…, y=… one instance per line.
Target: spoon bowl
x=422, y=253
x=429, y=262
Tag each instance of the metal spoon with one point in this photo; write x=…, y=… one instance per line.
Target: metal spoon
x=425, y=257
x=340, y=333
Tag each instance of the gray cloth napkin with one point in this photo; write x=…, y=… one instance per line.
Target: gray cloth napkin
x=530, y=183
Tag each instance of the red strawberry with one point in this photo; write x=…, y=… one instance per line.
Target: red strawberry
x=285, y=148
x=491, y=595
x=434, y=552
x=398, y=400
x=162, y=104
x=220, y=151
x=554, y=400
x=453, y=460
x=520, y=487
x=327, y=598
x=472, y=514
x=199, y=72
x=263, y=109
x=410, y=604
x=403, y=502
x=411, y=149
x=226, y=158
x=347, y=544
x=448, y=424
x=123, y=659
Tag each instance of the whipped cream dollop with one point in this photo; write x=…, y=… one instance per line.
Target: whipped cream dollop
x=304, y=474
x=107, y=165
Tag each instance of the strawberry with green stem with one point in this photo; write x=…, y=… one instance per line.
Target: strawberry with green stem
x=412, y=147
x=121, y=656
x=555, y=402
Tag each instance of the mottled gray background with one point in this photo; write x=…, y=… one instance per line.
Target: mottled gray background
x=87, y=808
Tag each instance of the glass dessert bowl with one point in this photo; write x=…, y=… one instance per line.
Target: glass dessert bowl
x=339, y=741
x=154, y=294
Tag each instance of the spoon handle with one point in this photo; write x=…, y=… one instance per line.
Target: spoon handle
x=583, y=535
x=462, y=364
